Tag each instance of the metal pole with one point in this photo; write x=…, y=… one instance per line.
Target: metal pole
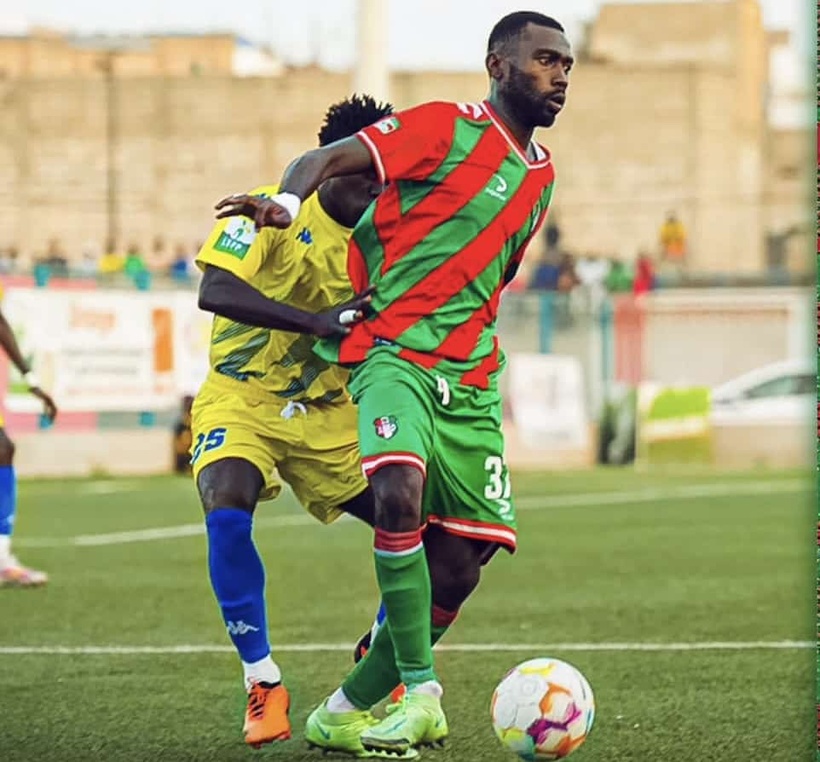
x=111, y=139
x=372, y=73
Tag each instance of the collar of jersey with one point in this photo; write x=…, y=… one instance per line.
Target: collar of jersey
x=539, y=149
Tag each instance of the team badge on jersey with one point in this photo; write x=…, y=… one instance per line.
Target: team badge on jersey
x=388, y=125
x=386, y=426
x=237, y=237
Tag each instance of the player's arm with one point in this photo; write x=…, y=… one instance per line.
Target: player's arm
x=9, y=343
x=225, y=294
x=348, y=156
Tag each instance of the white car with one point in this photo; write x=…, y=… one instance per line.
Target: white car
x=781, y=393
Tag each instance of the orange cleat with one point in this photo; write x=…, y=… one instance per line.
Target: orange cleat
x=266, y=719
x=14, y=574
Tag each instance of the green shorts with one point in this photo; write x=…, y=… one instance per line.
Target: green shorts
x=409, y=415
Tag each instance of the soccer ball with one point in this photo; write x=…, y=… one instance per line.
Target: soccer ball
x=543, y=709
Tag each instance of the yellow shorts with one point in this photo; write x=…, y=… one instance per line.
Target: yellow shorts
x=315, y=450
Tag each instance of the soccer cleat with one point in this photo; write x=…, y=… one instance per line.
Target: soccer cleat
x=266, y=718
x=341, y=732
x=14, y=574
x=417, y=721
x=397, y=694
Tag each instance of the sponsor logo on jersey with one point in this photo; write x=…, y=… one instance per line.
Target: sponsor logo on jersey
x=497, y=188
x=237, y=237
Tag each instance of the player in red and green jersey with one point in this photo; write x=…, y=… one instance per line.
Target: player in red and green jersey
x=466, y=190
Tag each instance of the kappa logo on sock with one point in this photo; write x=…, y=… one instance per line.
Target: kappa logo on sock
x=240, y=628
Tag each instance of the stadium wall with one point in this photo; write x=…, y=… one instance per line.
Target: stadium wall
x=671, y=142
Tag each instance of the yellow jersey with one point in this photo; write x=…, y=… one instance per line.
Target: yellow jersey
x=304, y=266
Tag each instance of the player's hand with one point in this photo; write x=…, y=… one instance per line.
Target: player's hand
x=337, y=321
x=49, y=408
x=263, y=211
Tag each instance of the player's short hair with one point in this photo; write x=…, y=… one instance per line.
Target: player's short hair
x=508, y=29
x=347, y=117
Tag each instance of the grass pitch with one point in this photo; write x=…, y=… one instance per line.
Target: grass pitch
x=686, y=600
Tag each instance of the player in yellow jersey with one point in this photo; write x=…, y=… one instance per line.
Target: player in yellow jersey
x=12, y=572
x=269, y=404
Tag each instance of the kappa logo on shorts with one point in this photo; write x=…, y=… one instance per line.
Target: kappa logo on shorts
x=386, y=426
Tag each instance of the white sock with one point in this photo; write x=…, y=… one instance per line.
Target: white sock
x=5, y=549
x=430, y=688
x=339, y=703
x=263, y=671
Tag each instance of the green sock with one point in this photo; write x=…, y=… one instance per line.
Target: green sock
x=376, y=674
x=404, y=583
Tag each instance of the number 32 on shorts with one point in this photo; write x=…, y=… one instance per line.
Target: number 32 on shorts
x=498, y=482
x=210, y=441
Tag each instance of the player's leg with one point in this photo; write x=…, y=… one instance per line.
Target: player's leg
x=467, y=498
x=12, y=572
x=231, y=467
x=395, y=406
x=229, y=489
x=325, y=472
x=455, y=569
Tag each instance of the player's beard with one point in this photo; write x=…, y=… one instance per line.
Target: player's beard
x=528, y=104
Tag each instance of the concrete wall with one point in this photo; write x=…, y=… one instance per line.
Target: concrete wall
x=661, y=116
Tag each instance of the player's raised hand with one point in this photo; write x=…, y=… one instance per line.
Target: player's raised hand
x=263, y=211
x=337, y=320
x=49, y=408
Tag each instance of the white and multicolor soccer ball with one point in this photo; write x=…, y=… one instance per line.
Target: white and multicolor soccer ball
x=543, y=709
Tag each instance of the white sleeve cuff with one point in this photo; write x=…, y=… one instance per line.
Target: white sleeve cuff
x=289, y=201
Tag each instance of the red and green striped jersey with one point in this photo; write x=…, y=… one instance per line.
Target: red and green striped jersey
x=440, y=243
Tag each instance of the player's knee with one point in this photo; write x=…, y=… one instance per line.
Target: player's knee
x=453, y=582
x=455, y=566
x=397, y=491
x=229, y=483
x=6, y=450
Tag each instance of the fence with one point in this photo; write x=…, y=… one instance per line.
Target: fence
x=119, y=358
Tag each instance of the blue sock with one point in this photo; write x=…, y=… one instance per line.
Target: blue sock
x=238, y=580
x=8, y=499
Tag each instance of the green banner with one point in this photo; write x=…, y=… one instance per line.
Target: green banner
x=674, y=425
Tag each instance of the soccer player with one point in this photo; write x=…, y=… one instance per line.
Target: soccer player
x=270, y=403
x=467, y=188
x=12, y=572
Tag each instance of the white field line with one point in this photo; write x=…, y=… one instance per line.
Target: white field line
x=527, y=503
x=777, y=645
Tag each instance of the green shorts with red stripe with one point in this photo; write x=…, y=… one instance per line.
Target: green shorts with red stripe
x=424, y=418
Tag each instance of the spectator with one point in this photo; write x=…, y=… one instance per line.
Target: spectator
x=8, y=260
x=619, y=279
x=89, y=263
x=552, y=234
x=673, y=240
x=180, y=265
x=567, y=277
x=182, y=437
x=644, y=275
x=545, y=276
x=158, y=260
x=56, y=258
x=134, y=262
x=111, y=262
x=592, y=272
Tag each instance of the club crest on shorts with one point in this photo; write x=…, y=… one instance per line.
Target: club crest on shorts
x=386, y=426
